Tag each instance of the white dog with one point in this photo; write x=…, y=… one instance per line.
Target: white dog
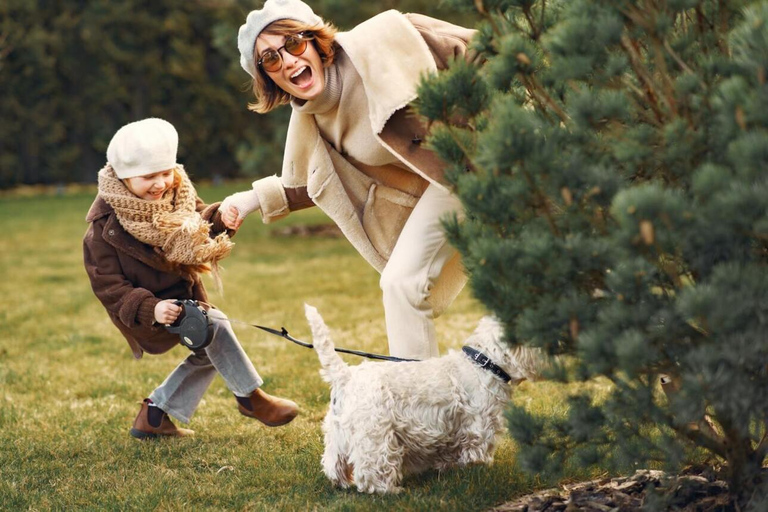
x=388, y=419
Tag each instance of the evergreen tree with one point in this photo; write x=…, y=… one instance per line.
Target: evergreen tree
x=611, y=156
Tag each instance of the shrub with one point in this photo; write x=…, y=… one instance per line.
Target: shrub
x=611, y=158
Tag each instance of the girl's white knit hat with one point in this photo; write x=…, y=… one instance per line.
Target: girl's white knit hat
x=257, y=20
x=143, y=147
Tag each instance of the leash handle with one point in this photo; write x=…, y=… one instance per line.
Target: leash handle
x=193, y=325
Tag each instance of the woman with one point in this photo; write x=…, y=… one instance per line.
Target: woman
x=354, y=148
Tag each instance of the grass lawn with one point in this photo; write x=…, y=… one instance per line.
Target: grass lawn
x=69, y=387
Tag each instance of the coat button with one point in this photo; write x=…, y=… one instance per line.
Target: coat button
x=111, y=232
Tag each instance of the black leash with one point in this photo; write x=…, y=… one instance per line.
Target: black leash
x=477, y=357
x=195, y=331
x=284, y=334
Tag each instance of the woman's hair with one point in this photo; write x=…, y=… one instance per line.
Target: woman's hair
x=268, y=94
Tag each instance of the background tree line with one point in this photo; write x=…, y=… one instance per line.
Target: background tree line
x=73, y=71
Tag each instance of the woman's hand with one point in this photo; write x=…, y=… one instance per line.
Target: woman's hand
x=235, y=207
x=166, y=312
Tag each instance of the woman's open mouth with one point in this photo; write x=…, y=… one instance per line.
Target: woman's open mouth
x=302, y=78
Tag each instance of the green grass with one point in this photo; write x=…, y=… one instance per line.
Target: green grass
x=69, y=388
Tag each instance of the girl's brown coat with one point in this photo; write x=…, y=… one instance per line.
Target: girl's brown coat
x=130, y=277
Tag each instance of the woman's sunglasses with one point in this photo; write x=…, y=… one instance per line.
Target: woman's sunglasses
x=272, y=61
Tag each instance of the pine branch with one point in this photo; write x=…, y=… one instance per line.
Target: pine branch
x=739, y=449
x=687, y=22
x=599, y=220
x=515, y=24
x=680, y=62
x=642, y=73
x=702, y=20
x=5, y=50
x=543, y=201
x=722, y=41
x=531, y=93
x=521, y=99
x=694, y=433
x=661, y=65
x=722, y=11
x=494, y=26
x=646, y=23
x=762, y=448
x=481, y=9
x=661, y=260
x=638, y=96
x=551, y=102
x=457, y=140
x=540, y=95
x=536, y=32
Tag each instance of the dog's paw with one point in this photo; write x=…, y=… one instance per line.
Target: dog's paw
x=380, y=489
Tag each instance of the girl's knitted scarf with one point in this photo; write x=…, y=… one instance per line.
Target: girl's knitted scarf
x=171, y=224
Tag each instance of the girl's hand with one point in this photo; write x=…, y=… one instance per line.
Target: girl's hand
x=235, y=207
x=166, y=312
x=231, y=217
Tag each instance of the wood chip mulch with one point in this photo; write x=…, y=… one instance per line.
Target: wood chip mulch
x=697, y=491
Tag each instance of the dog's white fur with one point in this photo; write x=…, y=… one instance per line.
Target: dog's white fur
x=387, y=419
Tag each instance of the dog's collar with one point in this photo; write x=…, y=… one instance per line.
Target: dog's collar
x=483, y=361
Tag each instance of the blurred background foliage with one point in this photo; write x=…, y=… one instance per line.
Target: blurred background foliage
x=73, y=71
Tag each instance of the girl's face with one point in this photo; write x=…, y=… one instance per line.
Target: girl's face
x=152, y=186
x=301, y=76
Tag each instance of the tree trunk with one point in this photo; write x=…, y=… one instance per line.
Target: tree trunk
x=744, y=470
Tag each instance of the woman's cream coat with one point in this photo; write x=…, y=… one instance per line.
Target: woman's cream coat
x=391, y=52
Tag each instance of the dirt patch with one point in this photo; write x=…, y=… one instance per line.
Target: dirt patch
x=693, y=491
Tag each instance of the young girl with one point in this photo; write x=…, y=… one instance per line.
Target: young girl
x=150, y=237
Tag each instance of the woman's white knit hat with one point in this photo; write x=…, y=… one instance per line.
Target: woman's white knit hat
x=143, y=147
x=257, y=20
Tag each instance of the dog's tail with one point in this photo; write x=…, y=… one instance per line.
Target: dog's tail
x=334, y=370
